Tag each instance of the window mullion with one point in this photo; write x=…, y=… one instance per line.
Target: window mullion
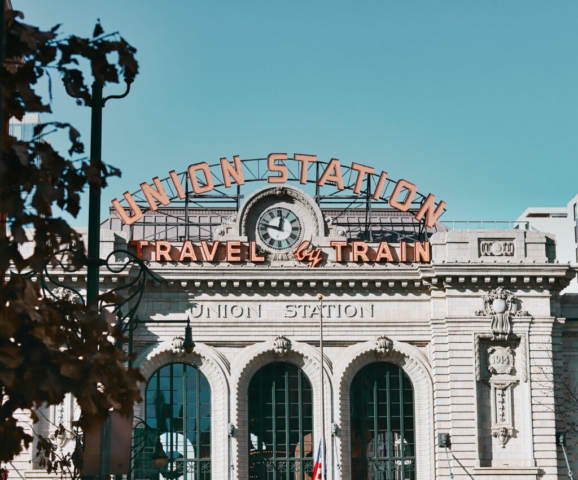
x=171, y=420
x=274, y=421
x=261, y=422
x=401, y=422
x=389, y=434
x=287, y=433
x=375, y=419
x=184, y=416
x=301, y=437
x=198, y=412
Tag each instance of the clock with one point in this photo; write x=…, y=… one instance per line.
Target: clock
x=279, y=228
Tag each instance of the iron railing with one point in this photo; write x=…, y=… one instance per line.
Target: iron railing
x=488, y=225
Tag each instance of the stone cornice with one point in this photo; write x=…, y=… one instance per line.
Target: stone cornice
x=406, y=276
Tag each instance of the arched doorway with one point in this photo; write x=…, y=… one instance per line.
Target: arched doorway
x=280, y=424
x=382, y=424
x=178, y=409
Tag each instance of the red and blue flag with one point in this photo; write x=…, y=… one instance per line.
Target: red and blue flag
x=319, y=467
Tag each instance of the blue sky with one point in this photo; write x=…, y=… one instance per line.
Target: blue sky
x=476, y=102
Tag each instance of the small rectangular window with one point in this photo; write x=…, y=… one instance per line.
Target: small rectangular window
x=559, y=215
x=576, y=211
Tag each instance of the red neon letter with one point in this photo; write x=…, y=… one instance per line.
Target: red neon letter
x=332, y=174
x=162, y=251
x=421, y=252
x=197, y=188
x=233, y=252
x=359, y=250
x=253, y=257
x=305, y=161
x=272, y=166
x=151, y=194
x=236, y=172
x=338, y=246
x=138, y=244
x=383, y=252
x=361, y=171
x=209, y=253
x=379, y=186
x=187, y=252
x=427, y=209
x=136, y=216
x=411, y=191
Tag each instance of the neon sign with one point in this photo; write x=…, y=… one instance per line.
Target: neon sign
x=202, y=181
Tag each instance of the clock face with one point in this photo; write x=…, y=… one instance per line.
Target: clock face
x=279, y=228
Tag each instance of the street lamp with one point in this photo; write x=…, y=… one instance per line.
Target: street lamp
x=93, y=261
x=160, y=458
x=188, y=344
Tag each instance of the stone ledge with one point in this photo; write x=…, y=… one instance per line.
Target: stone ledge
x=507, y=472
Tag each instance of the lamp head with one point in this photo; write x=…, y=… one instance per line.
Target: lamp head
x=159, y=456
x=188, y=344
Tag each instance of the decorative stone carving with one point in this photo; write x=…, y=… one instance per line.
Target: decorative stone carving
x=335, y=430
x=281, y=345
x=177, y=346
x=497, y=248
x=518, y=347
x=500, y=360
x=502, y=410
x=501, y=413
x=384, y=345
x=503, y=435
x=500, y=304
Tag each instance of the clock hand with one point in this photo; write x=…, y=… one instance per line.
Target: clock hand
x=275, y=227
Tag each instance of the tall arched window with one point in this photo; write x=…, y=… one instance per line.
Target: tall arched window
x=280, y=424
x=382, y=424
x=178, y=407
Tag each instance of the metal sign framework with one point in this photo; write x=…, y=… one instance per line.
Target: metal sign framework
x=368, y=214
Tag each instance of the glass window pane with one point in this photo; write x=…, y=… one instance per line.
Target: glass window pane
x=172, y=406
x=280, y=421
x=382, y=423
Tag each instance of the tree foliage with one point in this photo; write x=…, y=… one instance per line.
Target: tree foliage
x=50, y=347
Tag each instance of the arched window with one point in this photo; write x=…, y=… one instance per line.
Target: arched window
x=178, y=409
x=280, y=424
x=382, y=424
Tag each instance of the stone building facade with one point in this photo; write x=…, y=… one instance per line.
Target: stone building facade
x=467, y=335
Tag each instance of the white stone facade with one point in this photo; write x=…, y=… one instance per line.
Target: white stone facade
x=428, y=318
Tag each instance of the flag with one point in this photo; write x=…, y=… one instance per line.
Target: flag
x=319, y=466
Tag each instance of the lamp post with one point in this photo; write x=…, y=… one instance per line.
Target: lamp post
x=93, y=261
x=323, y=456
